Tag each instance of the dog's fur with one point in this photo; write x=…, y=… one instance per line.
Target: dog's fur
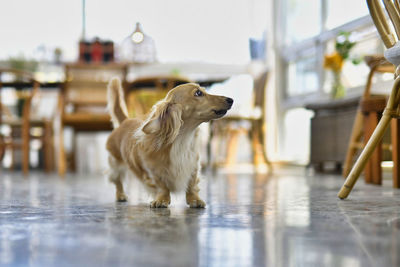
x=161, y=150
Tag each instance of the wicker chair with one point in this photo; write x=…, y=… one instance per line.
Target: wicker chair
x=377, y=64
x=391, y=112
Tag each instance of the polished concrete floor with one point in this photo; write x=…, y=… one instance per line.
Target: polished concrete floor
x=291, y=218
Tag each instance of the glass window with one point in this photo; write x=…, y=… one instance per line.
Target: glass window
x=355, y=75
x=302, y=19
x=338, y=15
x=296, y=137
x=302, y=76
x=318, y=19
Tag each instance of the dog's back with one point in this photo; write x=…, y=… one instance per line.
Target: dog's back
x=119, y=135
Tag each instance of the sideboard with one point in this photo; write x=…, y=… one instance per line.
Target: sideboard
x=330, y=131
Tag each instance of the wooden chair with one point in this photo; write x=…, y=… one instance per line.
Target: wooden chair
x=372, y=109
x=144, y=92
x=21, y=122
x=83, y=100
x=256, y=133
x=377, y=64
x=391, y=112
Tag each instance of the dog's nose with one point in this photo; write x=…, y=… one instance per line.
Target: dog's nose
x=229, y=100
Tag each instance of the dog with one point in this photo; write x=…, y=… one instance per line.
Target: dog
x=162, y=149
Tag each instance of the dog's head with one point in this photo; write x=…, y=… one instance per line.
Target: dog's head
x=197, y=104
x=187, y=104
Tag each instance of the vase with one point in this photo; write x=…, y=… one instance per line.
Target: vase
x=337, y=90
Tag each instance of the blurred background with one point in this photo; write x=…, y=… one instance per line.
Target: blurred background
x=309, y=83
x=275, y=58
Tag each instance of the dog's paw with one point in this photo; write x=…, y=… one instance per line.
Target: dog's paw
x=197, y=203
x=121, y=197
x=159, y=204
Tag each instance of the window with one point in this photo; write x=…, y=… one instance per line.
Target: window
x=355, y=75
x=302, y=76
x=309, y=30
x=340, y=12
x=303, y=19
x=312, y=26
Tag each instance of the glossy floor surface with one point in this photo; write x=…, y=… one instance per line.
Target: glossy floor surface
x=291, y=218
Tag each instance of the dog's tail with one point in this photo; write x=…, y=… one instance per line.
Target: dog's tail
x=116, y=103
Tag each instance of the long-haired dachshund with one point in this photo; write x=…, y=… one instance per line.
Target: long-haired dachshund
x=162, y=150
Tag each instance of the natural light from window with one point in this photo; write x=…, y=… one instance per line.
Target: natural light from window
x=207, y=31
x=337, y=15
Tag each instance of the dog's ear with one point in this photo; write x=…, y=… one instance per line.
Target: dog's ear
x=165, y=122
x=151, y=127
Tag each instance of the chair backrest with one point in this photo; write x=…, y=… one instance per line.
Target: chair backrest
x=379, y=18
x=390, y=39
x=86, y=84
x=19, y=87
x=144, y=92
x=376, y=64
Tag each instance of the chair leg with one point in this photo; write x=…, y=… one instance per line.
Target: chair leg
x=355, y=137
x=209, y=147
x=12, y=150
x=256, y=147
x=364, y=157
x=395, y=133
x=376, y=137
x=232, y=147
x=376, y=160
x=373, y=170
x=217, y=130
x=61, y=153
x=48, y=146
x=2, y=147
x=258, y=144
x=25, y=150
x=72, y=164
x=261, y=134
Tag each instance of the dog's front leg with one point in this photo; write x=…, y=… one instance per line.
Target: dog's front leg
x=163, y=198
x=192, y=196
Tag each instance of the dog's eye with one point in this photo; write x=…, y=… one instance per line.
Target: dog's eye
x=198, y=93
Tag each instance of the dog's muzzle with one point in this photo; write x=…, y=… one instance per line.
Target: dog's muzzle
x=221, y=112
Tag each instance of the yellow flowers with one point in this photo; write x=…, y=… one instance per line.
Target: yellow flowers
x=334, y=62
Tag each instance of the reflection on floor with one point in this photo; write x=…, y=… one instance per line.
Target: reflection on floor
x=291, y=218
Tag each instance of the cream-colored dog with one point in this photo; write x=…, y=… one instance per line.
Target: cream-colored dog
x=161, y=151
